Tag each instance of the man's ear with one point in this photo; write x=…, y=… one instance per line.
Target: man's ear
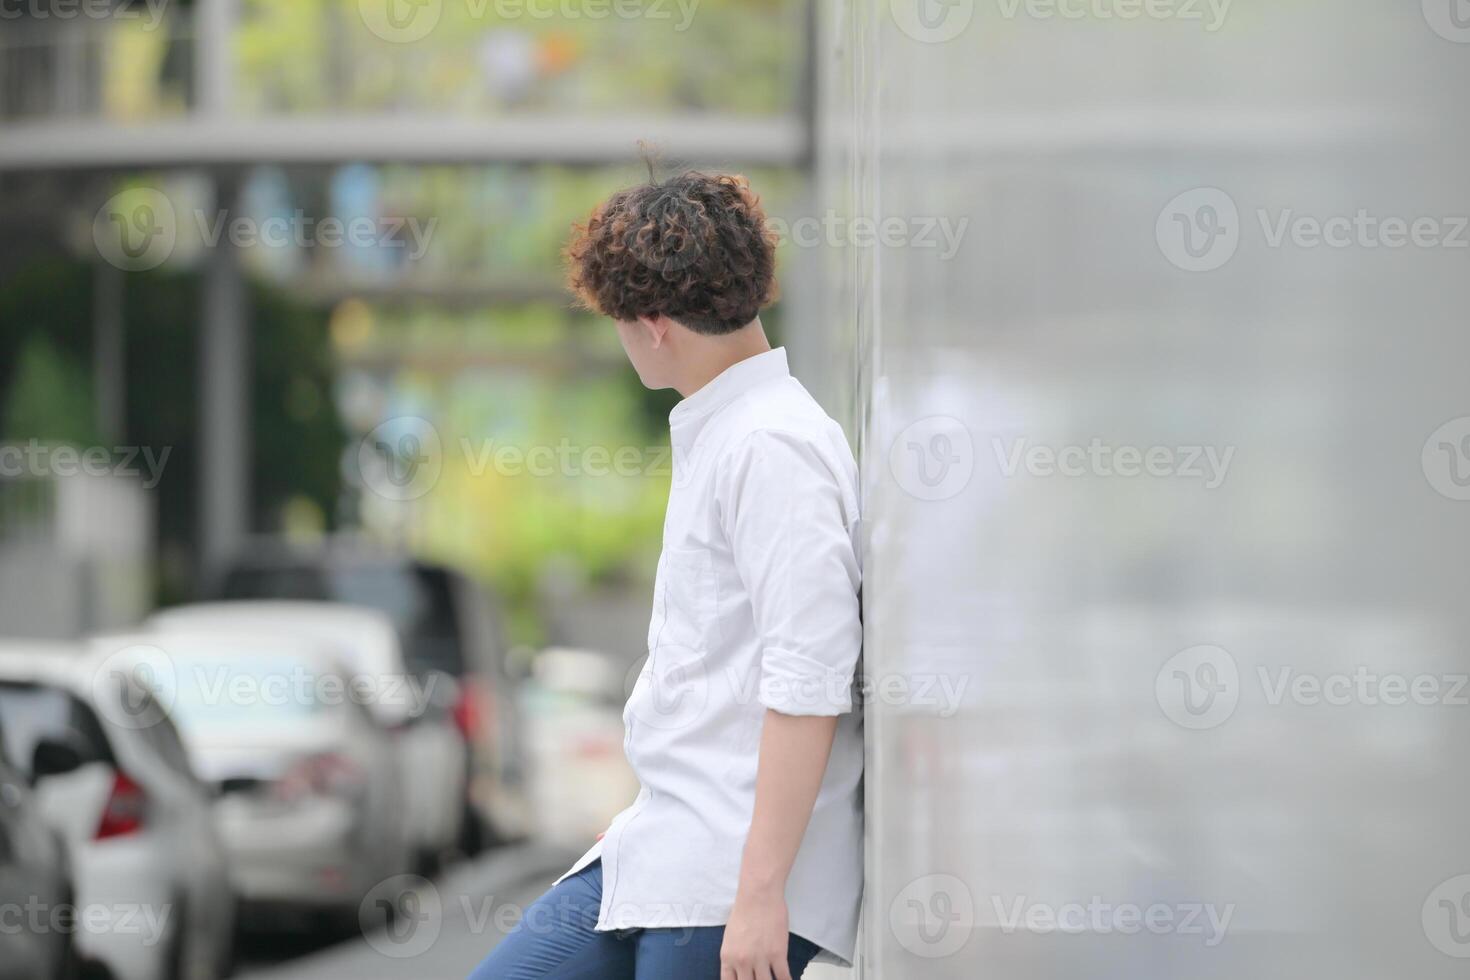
x=657, y=327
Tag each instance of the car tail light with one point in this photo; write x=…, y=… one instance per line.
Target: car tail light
x=471, y=710
x=125, y=808
x=324, y=774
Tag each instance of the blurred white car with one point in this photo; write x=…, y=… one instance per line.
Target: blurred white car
x=573, y=709
x=415, y=709
x=309, y=805
x=448, y=622
x=114, y=781
x=33, y=873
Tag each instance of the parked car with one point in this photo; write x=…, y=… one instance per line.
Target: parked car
x=307, y=796
x=448, y=622
x=33, y=874
x=113, y=780
x=413, y=709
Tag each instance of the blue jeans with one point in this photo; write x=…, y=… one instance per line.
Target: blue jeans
x=555, y=940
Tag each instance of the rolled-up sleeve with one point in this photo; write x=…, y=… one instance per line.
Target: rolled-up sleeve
x=791, y=533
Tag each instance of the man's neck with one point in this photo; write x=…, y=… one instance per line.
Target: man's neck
x=714, y=355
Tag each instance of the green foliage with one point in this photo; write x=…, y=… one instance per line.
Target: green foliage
x=50, y=399
x=49, y=301
x=295, y=433
x=736, y=56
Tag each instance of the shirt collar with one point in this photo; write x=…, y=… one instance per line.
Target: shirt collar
x=730, y=384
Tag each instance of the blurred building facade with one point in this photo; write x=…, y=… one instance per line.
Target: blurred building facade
x=468, y=136
x=75, y=554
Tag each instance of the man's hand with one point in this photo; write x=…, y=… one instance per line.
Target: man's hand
x=755, y=938
x=793, y=756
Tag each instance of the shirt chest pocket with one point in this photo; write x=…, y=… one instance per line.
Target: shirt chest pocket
x=685, y=602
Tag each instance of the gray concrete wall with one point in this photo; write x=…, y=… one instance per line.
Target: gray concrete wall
x=1085, y=763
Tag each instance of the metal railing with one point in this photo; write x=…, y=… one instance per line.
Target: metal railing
x=59, y=69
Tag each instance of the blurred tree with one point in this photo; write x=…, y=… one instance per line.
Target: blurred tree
x=737, y=56
x=50, y=398
x=47, y=299
x=296, y=436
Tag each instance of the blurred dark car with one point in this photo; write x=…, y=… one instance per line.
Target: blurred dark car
x=35, y=885
x=448, y=623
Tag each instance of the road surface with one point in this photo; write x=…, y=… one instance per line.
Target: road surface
x=447, y=928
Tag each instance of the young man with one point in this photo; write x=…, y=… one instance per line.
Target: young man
x=741, y=858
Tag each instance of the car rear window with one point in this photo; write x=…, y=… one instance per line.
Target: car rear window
x=214, y=693
x=419, y=600
x=33, y=712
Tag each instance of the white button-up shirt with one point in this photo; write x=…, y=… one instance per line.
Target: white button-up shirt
x=755, y=606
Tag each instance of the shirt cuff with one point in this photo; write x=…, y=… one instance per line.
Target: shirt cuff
x=794, y=684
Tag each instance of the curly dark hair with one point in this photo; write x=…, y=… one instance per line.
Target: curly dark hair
x=694, y=248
